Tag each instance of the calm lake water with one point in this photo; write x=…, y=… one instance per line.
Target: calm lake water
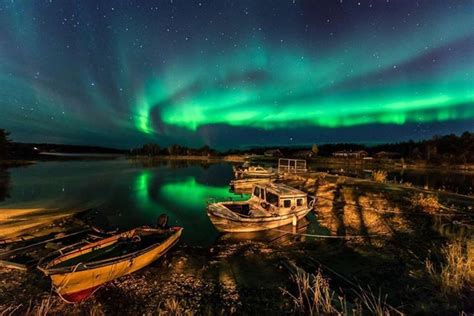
x=128, y=194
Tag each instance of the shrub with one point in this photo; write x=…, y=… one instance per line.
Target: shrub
x=379, y=176
x=427, y=202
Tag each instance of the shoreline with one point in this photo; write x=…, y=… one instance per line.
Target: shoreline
x=386, y=164
x=230, y=158
x=12, y=163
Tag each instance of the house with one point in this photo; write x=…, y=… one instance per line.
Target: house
x=350, y=154
x=387, y=155
x=273, y=153
x=304, y=154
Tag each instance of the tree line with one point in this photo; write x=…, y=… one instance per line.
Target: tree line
x=4, y=143
x=173, y=150
x=439, y=149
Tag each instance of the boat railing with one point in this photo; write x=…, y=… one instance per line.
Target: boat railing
x=291, y=165
x=227, y=199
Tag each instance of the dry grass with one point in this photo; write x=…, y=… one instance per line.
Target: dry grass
x=96, y=310
x=174, y=307
x=427, y=202
x=379, y=176
x=341, y=180
x=457, y=271
x=42, y=309
x=10, y=310
x=315, y=297
x=375, y=305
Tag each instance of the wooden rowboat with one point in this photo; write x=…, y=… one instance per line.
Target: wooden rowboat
x=79, y=272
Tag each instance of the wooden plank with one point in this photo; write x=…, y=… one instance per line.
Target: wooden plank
x=58, y=237
x=13, y=265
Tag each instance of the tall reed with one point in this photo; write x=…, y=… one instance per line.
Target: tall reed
x=457, y=269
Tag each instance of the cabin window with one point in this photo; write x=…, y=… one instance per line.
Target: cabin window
x=272, y=198
x=286, y=203
x=299, y=202
x=262, y=194
x=256, y=191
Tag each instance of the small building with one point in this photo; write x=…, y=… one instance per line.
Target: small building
x=387, y=155
x=273, y=153
x=350, y=154
x=304, y=154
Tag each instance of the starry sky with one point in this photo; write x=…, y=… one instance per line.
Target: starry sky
x=235, y=73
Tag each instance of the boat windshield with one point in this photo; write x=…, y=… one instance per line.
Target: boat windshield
x=256, y=191
x=272, y=198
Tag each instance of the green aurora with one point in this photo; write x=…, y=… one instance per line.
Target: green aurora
x=230, y=74
x=267, y=86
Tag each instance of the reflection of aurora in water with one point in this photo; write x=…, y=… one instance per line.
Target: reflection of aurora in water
x=191, y=194
x=142, y=193
x=126, y=195
x=183, y=200
x=187, y=194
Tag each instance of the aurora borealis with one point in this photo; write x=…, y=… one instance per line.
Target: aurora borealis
x=235, y=73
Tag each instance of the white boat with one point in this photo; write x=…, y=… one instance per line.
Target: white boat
x=271, y=205
x=255, y=172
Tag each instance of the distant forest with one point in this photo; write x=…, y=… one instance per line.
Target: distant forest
x=439, y=149
x=448, y=148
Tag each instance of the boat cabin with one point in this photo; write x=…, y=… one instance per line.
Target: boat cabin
x=279, y=197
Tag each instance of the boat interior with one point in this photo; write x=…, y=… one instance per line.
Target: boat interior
x=241, y=208
x=121, y=247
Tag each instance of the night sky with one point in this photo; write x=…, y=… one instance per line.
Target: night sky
x=235, y=73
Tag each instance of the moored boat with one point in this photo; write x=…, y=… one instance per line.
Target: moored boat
x=255, y=172
x=244, y=186
x=270, y=206
x=79, y=272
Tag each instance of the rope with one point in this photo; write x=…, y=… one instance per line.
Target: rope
x=65, y=282
x=324, y=236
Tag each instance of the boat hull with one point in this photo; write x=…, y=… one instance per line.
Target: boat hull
x=75, y=286
x=245, y=225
